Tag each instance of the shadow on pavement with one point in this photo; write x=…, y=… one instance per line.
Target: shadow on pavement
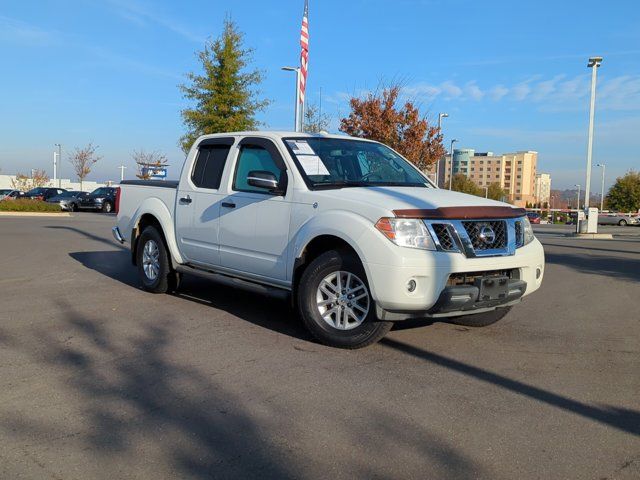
x=91, y=236
x=609, y=266
x=620, y=418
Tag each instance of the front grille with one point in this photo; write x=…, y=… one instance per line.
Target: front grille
x=519, y=234
x=445, y=238
x=487, y=235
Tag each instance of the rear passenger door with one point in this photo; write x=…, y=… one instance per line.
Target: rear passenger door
x=198, y=203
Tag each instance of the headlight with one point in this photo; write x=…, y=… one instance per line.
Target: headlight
x=406, y=232
x=528, y=235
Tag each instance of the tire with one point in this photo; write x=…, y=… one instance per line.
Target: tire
x=481, y=319
x=154, y=269
x=107, y=207
x=622, y=223
x=72, y=207
x=342, y=268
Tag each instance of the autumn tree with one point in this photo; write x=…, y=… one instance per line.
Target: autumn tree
x=378, y=116
x=38, y=178
x=224, y=94
x=624, y=195
x=496, y=192
x=462, y=183
x=314, y=120
x=83, y=160
x=145, y=159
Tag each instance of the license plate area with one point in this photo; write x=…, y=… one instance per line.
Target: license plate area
x=492, y=288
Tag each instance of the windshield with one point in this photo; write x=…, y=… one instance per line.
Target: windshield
x=36, y=191
x=337, y=163
x=5, y=191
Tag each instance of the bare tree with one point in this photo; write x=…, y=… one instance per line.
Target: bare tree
x=38, y=178
x=144, y=160
x=314, y=120
x=83, y=160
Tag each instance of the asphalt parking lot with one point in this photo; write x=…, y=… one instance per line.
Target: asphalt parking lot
x=102, y=380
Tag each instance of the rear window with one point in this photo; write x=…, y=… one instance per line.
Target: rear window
x=207, y=171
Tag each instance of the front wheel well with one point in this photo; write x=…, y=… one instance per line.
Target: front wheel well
x=313, y=250
x=145, y=220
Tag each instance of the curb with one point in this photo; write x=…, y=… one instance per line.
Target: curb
x=590, y=236
x=35, y=214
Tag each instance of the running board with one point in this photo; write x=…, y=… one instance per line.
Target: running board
x=235, y=282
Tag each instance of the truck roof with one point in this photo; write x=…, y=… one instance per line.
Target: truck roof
x=279, y=135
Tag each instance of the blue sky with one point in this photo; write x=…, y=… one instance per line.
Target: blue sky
x=512, y=75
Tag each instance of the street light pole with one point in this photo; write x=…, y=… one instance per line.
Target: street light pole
x=594, y=64
x=297, y=106
x=56, y=167
x=451, y=167
x=122, y=169
x=440, y=117
x=604, y=168
x=578, y=208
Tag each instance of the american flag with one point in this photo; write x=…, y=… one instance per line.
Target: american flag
x=304, y=53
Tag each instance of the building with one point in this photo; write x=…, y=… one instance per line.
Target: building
x=514, y=172
x=542, y=188
x=6, y=181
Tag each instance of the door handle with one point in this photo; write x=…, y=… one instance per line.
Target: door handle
x=228, y=205
x=186, y=200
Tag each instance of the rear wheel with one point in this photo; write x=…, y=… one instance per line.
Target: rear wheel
x=481, y=319
x=622, y=223
x=107, y=207
x=335, y=302
x=152, y=259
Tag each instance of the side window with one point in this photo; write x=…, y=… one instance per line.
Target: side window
x=253, y=158
x=209, y=165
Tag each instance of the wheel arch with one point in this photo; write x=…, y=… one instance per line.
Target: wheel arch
x=151, y=219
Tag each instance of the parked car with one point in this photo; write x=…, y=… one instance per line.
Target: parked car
x=101, y=199
x=346, y=227
x=617, y=219
x=533, y=217
x=10, y=194
x=43, y=193
x=68, y=200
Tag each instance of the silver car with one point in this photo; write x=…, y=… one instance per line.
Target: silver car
x=617, y=219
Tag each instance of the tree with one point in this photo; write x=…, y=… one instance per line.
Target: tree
x=314, y=121
x=224, y=94
x=38, y=178
x=461, y=183
x=83, y=160
x=496, y=192
x=624, y=195
x=377, y=117
x=147, y=159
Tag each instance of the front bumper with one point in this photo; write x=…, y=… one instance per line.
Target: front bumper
x=431, y=272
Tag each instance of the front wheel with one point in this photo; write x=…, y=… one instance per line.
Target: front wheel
x=335, y=302
x=481, y=319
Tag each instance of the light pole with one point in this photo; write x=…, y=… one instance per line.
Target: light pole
x=578, y=186
x=122, y=169
x=604, y=168
x=297, y=107
x=486, y=192
x=451, y=168
x=56, y=165
x=440, y=117
x=594, y=64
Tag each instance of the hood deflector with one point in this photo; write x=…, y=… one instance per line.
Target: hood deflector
x=461, y=213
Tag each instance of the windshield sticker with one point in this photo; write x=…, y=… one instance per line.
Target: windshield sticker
x=300, y=147
x=313, y=165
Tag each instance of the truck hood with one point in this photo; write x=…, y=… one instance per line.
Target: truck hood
x=388, y=199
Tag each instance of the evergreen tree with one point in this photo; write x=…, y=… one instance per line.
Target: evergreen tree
x=496, y=192
x=224, y=95
x=462, y=183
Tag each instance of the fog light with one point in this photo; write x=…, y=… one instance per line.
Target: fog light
x=538, y=273
x=411, y=285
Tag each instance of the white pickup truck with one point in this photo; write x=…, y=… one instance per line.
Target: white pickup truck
x=350, y=230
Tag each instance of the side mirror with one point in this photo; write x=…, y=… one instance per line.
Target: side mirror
x=263, y=179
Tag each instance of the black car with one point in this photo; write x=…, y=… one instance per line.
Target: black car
x=101, y=199
x=43, y=193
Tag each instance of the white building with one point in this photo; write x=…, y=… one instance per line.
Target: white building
x=542, y=189
x=6, y=181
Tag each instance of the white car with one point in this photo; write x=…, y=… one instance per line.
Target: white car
x=351, y=231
